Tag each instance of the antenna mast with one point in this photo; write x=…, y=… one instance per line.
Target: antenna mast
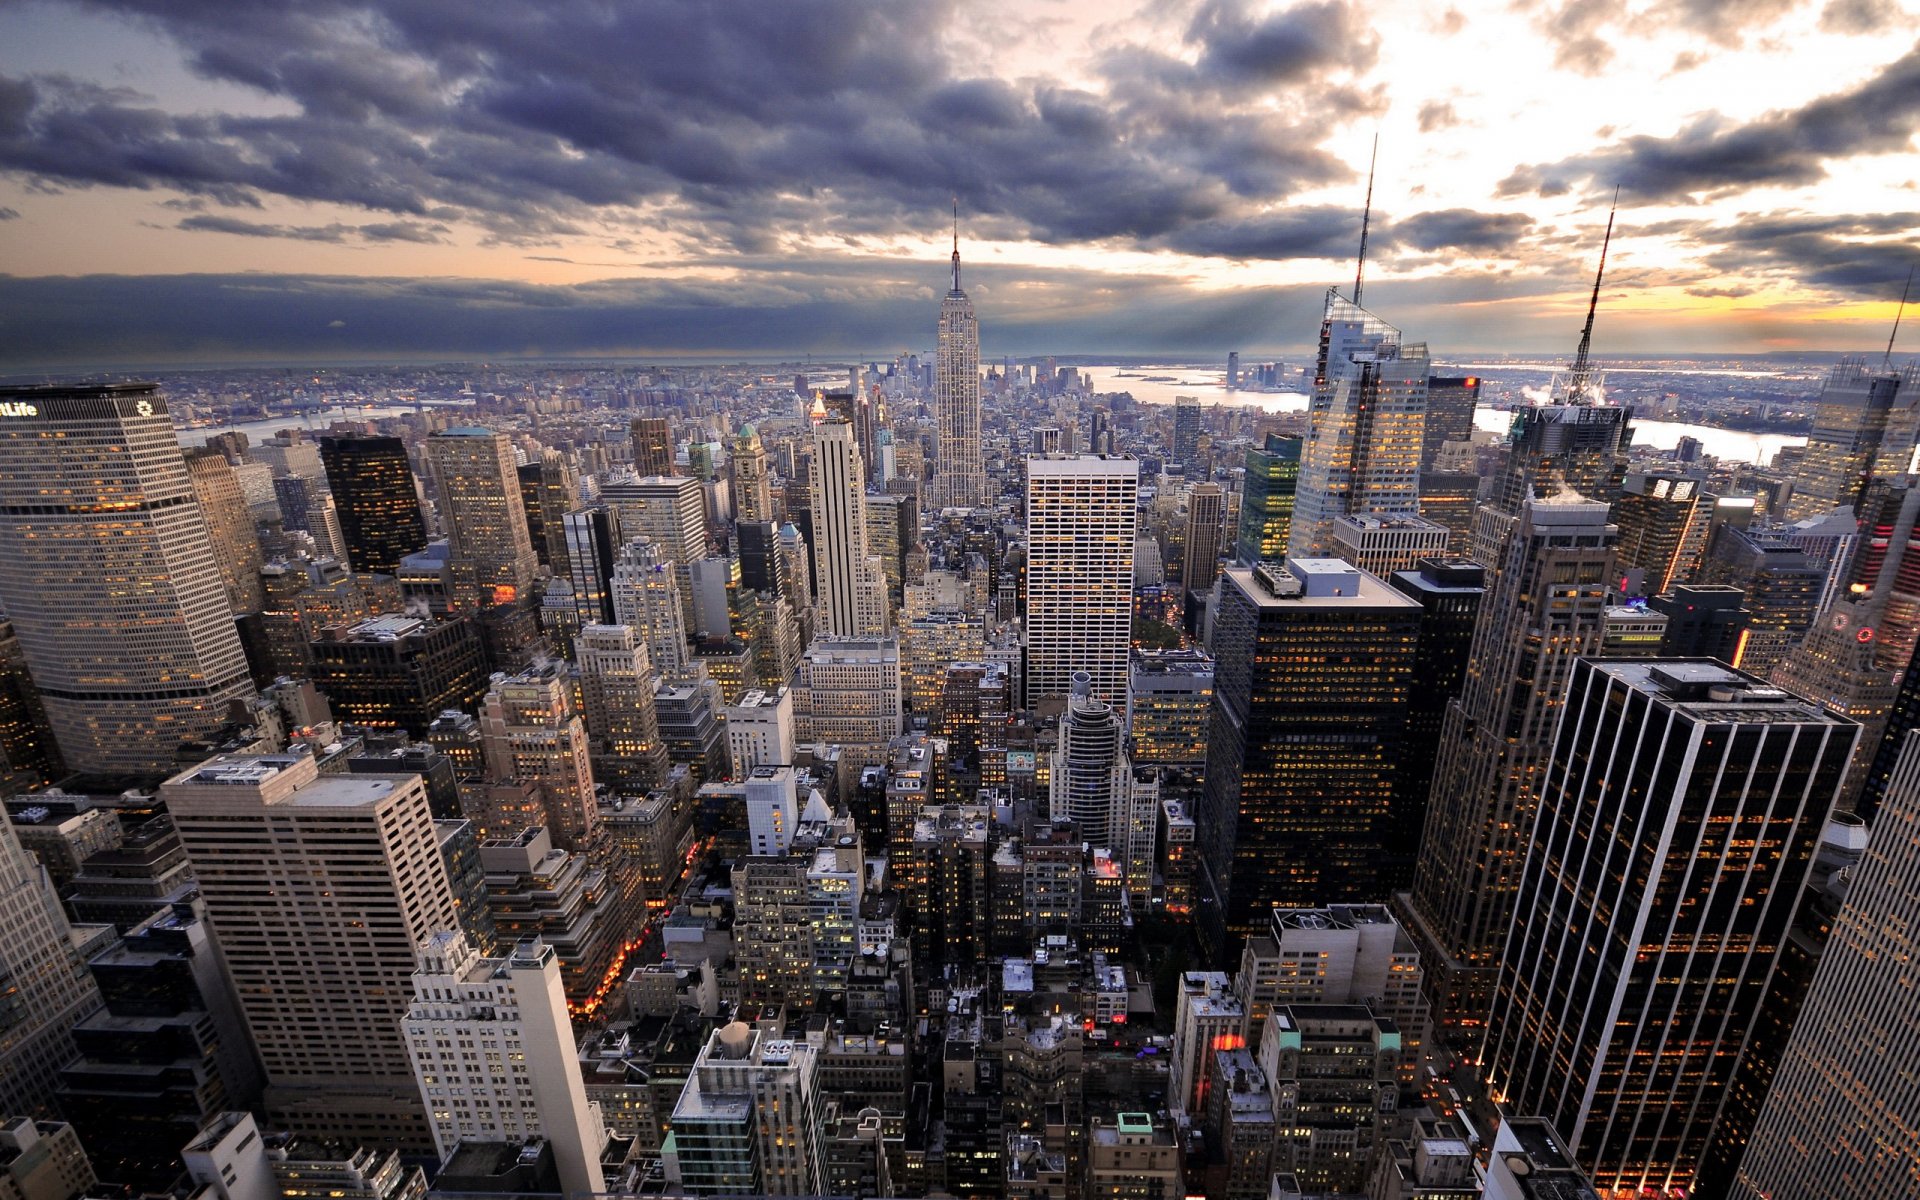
x=1582, y=369
x=956, y=242
x=1887, y=361
x=1366, y=215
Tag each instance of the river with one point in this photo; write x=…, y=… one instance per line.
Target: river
x=1160, y=385
x=313, y=421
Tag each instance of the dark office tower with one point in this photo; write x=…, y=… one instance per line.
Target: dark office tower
x=1703, y=621
x=1783, y=586
x=1663, y=518
x=1186, y=431
x=490, y=554
x=1449, y=591
x=1678, y=818
x=168, y=1054
x=114, y=590
x=555, y=489
x=1838, y=1119
x=760, y=569
x=236, y=548
x=593, y=544
x=1545, y=603
x=398, y=672
x=1313, y=664
x=975, y=705
x=1266, y=500
x=1448, y=499
x=1450, y=403
x=379, y=506
x=28, y=757
x=652, y=446
x=1864, y=426
x=1206, y=517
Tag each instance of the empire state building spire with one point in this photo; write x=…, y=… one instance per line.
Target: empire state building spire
x=956, y=247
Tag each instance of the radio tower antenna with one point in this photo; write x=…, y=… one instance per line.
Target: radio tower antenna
x=1887, y=361
x=1582, y=369
x=1366, y=216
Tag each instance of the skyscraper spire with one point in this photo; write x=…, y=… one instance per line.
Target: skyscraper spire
x=1887, y=360
x=1582, y=369
x=1366, y=216
x=956, y=243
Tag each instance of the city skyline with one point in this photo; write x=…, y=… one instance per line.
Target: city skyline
x=1187, y=178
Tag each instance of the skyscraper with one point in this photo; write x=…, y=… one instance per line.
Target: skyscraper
x=320, y=887
x=1544, y=605
x=1363, y=444
x=962, y=475
x=1312, y=666
x=617, y=682
x=593, y=538
x=490, y=551
x=1081, y=522
x=109, y=577
x=1839, y=1118
x=549, y=490
x=1863, y=426
x=372, y=482
x=1451, y=400
x=1267, y=499
x=670, y=512
x=525, y=1082
x=1449, y=592
x=1090, y=776
x=1206, y=520
x=752, y=489
x=45, y=985
x=1678, y=816
x=530, y=733
x=236, y=548
x=1663, y=518
x=1186, y=431
x=646, y=595
x=653, y=450
x=853, y=590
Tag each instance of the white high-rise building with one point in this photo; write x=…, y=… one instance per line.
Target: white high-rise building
x=961, y=475
x=1365, y=428
x=747, y=1122
x=760, y=730
x=853, y=586
x=494, y=1054
x=773, y=809
x=1091, y=781
x=109, y=575
x=47, y=987
x=1081, y=523
x=646, y=595
x=320, y=887
x=847, y=692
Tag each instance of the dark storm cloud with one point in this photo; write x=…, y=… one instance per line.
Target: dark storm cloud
x=1712, y=157
x=1859, y=16
x=720, y=121
x=381, y=231
x=1464, y=229
x=1866, y=256
x=770, y=306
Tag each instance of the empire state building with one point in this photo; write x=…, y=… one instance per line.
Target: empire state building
x=962, y=478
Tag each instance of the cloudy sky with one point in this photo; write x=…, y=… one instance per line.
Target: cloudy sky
x=204, y=180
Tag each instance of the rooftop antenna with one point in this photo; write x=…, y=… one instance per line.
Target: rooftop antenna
x=1366, y=215
x=1887, y=361
x=956, y=241
x=1582, y=369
